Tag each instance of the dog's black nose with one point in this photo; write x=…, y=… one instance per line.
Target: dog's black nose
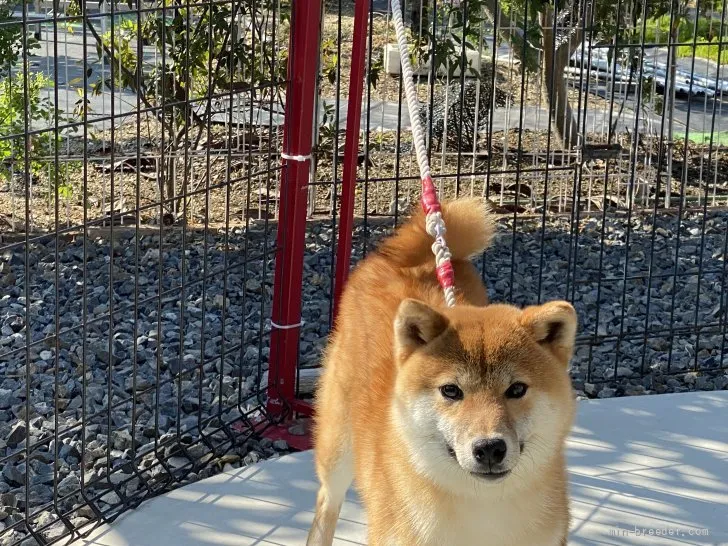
x=490, y=451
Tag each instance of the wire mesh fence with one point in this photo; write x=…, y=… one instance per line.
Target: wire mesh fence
x=140, y=191
x=139, y=158
x=597, y=132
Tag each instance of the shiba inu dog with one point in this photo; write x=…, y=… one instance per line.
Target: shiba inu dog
x=450, y=421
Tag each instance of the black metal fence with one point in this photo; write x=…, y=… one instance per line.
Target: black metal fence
x=139, y=164
x=597, y=131
x=139, y=178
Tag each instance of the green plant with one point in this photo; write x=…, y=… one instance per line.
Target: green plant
x=376, y=66
x=11, y=38
x=327, y=131
x=203, y=50
x=557, y=28
x=718, y=138
x=28, y=138
x=708, y=30
x=329, y=60
x=442, y=37
x=27, y=111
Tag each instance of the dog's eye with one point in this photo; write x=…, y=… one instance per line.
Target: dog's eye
x=517, y=390
x=451, y=392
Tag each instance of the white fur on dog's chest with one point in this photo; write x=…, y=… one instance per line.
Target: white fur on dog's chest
x=502, y=523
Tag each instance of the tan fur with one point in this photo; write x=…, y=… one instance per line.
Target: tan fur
x=382, y=419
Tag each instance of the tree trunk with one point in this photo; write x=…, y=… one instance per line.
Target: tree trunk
x=554, y=89
x=170, y=177
x=669, y=102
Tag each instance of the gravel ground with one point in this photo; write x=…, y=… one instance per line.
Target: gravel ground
x=222, y=318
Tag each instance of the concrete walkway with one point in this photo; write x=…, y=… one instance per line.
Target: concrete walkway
x=650, y=470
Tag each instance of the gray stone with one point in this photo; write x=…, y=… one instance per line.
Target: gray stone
x=8, y=500
x=253, y=285
x=18, y=433
x=111, y=498
x=69, y=451
x=251, y=458
x=178, y=462
x=103, y=355
x=703, y=383
x=624, y=371
x=122, y=439
x=673, y=383
x=7, y=399
x=68, y=485
x=297, y=430
x=591, y=389
x=607, y=393
x=251, y=354
x=14, y=474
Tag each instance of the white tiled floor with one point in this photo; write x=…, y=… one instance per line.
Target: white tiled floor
x=656, y=464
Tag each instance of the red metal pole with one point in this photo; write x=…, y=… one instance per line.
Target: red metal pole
x=351, y=148
x=290, y=242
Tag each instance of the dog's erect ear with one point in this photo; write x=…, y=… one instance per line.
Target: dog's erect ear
x=553, y=325
x=416, y=325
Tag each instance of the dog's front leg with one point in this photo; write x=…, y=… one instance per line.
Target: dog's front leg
x=335, y=473
x=324, y=522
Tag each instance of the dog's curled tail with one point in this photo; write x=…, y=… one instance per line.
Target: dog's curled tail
x=469, y=226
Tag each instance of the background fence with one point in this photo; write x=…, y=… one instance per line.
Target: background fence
x=143, y=271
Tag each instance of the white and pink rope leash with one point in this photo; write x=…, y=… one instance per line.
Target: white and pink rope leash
x=434, y=222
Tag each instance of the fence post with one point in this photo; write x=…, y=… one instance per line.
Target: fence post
x=351, y=148
x=303, y=53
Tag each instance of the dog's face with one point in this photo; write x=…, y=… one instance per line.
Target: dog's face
x=483, y=395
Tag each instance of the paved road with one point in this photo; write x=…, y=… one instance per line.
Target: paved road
x=384, y=115
x=71, y=54
x=67, y=60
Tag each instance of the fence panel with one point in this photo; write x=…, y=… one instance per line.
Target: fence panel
x=139, y=165
x=599, y=141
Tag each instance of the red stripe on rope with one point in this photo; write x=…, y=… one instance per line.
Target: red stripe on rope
x=430, y=203
x=446, y=274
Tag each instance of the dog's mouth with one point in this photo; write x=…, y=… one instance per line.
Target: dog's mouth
x=491, y=476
